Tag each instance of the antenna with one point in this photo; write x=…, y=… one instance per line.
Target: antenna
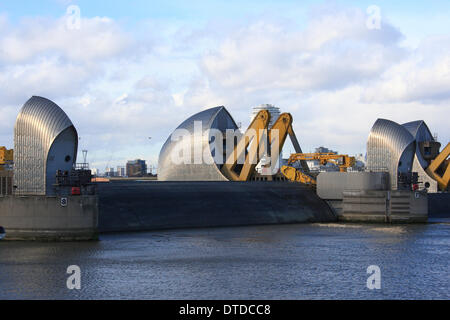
x=435, y=136
x=85, y=156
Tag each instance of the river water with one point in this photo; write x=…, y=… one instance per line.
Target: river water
x=307, y=261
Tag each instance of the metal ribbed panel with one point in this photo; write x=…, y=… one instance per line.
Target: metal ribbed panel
x=389, y=146
x=38, y=124
x=421, y=133
x=419, y=130
x=214, y=118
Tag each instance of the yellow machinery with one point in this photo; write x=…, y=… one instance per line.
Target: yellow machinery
x=6, y=158
x=342, y=161
x=439, y=169
x=293, y=174
x=276, y=138
x=260, y=122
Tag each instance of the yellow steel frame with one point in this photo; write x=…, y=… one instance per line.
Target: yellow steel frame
x=260, y=122
x=279, y=132
x=441, y=161
x=295, y=175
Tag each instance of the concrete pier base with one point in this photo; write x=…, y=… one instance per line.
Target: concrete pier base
x=141, y=206
x=72, y=218
x=366, y=197
x=382, y=206
x=439, y=205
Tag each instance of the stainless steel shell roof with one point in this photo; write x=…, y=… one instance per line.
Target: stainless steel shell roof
x=419, y=130
x=214, y=118
x=421, y=133
x=390, y=146
x=38, y=124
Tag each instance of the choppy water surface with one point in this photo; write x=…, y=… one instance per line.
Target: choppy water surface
x=318, y=261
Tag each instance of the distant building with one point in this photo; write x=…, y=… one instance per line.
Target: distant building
x=94, y=171
x=121, y=171
x=324, y=150
x=136, y=168
x=314, y=165
x=110, y=172
x=274, y=112
x=151, y=170
x=360, y=162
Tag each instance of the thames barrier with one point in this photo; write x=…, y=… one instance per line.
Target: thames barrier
x=210, y=174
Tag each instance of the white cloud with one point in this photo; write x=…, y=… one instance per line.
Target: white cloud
x=43, y=57
x=335, y=50
x=335, y=76
x=49, y=77
x=123, y=99
x=97, y=39
x=178, y=98
x=85, y=100
x=423, y=76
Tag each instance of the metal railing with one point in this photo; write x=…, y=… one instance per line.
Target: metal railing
x=6, y=184
x=81, y=166
x=376, y=169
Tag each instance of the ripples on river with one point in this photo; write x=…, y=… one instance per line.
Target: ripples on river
x=316, y=261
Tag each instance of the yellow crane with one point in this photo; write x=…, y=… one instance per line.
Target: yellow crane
x=439, y=169
x=293, y=174
x=296, y=175
x=276, y=137
x=342, y=161
x=6, y=157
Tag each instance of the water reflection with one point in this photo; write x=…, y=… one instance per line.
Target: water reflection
x=318, y=261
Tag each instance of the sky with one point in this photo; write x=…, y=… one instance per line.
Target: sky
x=128, y=73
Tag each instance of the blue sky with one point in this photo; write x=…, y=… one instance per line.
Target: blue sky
x=137, y=68
x=414, y=18
x=197, y=9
